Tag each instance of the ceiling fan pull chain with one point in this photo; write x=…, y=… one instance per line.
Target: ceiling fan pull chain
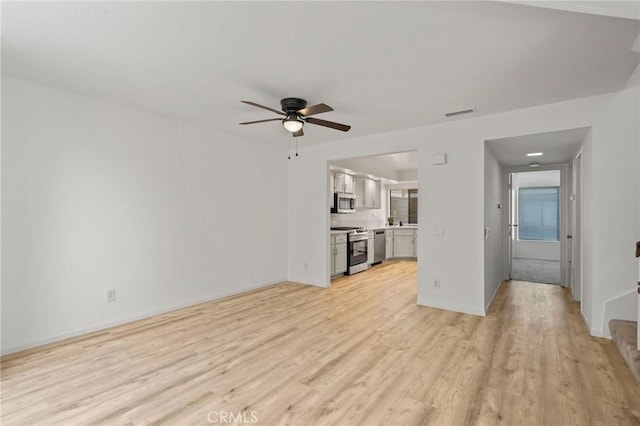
x=296, y=147
x=289, y=157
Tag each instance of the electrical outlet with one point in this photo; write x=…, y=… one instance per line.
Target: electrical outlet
x=111, y=295
x=436, y=284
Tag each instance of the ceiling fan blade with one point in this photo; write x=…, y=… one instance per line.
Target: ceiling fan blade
x=326, y=123
x=263, y=107
x=261, y=121
x=316, y=109
x=298, y=133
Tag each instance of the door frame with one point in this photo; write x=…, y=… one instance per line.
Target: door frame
x=577, y=220
x=565, y=192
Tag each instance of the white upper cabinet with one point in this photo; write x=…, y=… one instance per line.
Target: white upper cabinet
x=367, y=192
x=332, y=190
x=371, y=189
x=348, y=184
x=343, y=183
x=359, y=192
x=338, y=182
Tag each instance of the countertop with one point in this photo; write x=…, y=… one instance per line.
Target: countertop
x=398, y=227
x=377, y=228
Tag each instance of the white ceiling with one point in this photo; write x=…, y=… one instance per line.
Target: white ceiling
x=621, y=9
x=381, y=65
x=389, y=166
x=558, y=147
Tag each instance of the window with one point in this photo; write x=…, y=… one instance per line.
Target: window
x=403, y=203
x=539, y=213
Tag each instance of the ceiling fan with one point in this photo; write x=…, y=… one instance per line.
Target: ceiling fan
x=296, y=114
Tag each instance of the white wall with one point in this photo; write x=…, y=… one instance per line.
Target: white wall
x=98, y=196
x=613, y=224
x=545, y=250
x=588, y=210
x=451, y=195
x=538, y=178
x=493, y=242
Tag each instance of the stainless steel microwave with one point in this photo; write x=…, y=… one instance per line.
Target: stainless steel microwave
x=343, y=203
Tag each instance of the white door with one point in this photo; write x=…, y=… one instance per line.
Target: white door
x=511, y=223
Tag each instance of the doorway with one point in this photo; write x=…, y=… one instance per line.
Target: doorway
x=536, y=226
x=380, y=187
x=575, y=252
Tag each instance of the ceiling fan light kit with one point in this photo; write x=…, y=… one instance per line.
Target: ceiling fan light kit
x=297, y=114
x=292, y=123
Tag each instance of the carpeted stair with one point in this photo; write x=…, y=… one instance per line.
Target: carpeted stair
x=625, y=337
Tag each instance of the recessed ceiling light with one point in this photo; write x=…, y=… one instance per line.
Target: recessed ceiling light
x=534, y=164
x=534, y=154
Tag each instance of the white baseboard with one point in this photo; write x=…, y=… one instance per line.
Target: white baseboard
x=103, y=326
x=309, y=283
x=462, y=309
x=486, y=308
x=592, y=331
x=537, y=258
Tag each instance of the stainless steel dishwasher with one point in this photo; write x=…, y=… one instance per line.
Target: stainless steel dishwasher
x=380, y=246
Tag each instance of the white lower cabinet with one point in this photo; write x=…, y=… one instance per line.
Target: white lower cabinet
x=389, y=243
x=370, y=248
x=402, y=243
x=338, y=254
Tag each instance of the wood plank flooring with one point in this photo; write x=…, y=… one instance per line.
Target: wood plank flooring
x=361, y=352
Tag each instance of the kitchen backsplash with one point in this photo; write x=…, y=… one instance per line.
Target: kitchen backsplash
x=365, y=218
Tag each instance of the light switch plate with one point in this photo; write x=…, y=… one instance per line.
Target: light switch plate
x=438, y=231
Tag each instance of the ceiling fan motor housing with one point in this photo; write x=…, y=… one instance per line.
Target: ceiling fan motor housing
x=290, y=105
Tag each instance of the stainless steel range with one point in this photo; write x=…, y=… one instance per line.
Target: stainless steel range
x=356, y=248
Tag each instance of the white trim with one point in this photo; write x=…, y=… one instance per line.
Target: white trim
x=536, y=258
x=600, y=333
x=103, y=326
x=488, y=305
x=461, y=309
x=593, y=331
x=319, y=285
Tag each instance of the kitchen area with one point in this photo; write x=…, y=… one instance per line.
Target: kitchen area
x=374, y=212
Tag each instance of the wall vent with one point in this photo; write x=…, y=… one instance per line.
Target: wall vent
x=461, y=112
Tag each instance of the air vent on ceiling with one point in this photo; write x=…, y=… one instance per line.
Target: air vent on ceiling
x=461, y=112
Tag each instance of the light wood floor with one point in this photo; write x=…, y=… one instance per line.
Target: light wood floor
x=361, y=352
